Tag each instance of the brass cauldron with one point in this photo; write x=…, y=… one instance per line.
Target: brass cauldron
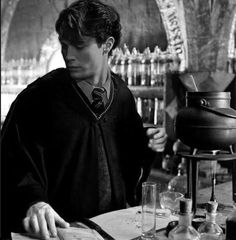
x=207, y=122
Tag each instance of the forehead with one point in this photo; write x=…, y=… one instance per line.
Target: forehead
x=87, y=41
x=72, y=34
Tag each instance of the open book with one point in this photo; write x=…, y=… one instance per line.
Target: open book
x=77, y=231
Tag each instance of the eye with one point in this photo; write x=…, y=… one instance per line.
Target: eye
x=80, y=47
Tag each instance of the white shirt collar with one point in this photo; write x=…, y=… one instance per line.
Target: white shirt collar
x=87, y=88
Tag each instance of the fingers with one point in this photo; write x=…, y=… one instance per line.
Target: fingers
x=26, y=224
x=156, y=146
x=156, y=133
x=51, y=223
x=34, y=224
x=151, y=131
x=61, y=222
x=44, y=233
x=157, y=139
x=31, y=224
x=41, y=220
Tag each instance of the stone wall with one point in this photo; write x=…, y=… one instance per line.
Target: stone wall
x=33, y=22
x=208, y=26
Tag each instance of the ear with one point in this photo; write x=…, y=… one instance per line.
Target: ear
x=107, y=46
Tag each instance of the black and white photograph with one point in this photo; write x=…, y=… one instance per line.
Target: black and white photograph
x=118, y=120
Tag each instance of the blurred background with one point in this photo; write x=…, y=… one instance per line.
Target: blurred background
x=163, y=43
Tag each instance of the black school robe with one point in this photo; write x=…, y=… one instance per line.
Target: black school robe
x=49, y=150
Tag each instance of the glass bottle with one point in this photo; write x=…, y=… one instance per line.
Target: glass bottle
x=179, y=182
x=210, y=230
x=166, y=162
x=231, y=225
x=184, y=230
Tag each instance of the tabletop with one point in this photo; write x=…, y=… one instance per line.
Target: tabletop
x=125, y=224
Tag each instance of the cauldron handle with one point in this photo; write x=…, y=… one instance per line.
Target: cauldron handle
x=226, y=112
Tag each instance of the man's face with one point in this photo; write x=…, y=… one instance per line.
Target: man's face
x=83, y=61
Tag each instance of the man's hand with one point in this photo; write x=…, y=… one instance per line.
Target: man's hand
x=41, y=220
x=157, y=139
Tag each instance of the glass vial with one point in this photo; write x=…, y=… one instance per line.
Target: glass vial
x=210, y=230
x=179, y=182
x=148, y=210
x=184, y=230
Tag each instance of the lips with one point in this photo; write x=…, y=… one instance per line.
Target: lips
x=74, y=68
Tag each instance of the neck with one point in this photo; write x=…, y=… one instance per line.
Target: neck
x=211, y=217
x=185, y=219
x=100, y=77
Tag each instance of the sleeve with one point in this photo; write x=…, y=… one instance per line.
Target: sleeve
x=142, y=156
x=24, y=180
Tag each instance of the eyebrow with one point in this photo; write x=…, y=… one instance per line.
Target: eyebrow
x=70, y=42
x=82, y=45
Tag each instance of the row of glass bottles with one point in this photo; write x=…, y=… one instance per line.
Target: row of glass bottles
x=144, y=69
x=179, y=182
x=208, y=230
x=151, y=110
x=21, y=71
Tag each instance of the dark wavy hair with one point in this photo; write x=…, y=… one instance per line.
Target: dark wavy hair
x=89, y=18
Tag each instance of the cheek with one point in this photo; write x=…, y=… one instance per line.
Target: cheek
x=95, y=59
x=84, y=58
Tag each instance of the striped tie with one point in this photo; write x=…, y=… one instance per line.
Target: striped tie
x=99, y=97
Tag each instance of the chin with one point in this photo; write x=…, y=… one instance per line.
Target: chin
x=77, y=74
x=80, y=75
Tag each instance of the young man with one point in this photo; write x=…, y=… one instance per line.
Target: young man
x=73, y=144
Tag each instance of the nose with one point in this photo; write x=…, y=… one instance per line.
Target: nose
x=70, y=53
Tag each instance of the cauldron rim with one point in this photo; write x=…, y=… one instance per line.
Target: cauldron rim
x=217, y=94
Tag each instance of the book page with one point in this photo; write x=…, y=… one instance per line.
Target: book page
x=71, y=233
x=74, y=233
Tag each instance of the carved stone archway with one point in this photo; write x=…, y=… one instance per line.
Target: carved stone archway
x=8, y=8
x=172, y=12
x=232, y=38
x=208, y=26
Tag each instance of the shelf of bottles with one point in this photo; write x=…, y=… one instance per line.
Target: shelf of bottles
x=15, y=76
x=145, y=74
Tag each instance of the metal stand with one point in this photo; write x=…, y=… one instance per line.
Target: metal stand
x=192, y=170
